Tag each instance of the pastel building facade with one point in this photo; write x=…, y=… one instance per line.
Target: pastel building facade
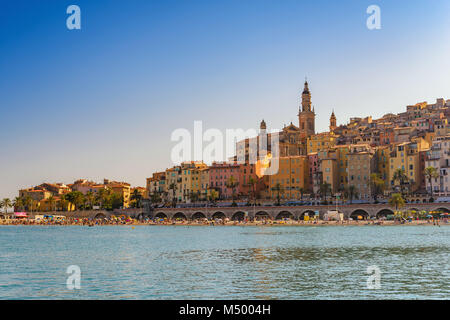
x=292, y=176
x=220, y=174
x=439, y=157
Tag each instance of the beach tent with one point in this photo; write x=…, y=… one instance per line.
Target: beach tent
x=20, y=215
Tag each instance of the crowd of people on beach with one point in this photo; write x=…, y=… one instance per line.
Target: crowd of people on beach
x=65, y=221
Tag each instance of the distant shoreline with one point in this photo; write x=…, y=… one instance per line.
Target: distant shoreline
x=246, y=224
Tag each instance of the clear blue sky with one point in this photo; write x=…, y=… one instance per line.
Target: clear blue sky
x=102, y=101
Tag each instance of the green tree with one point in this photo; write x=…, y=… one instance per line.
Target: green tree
x=431, y=173
x=6, y=203
x=279, y=190
x=173, y=186
x=136, y=198
x=28, y=203
x=116, y=201
x=397, y=201
x=194, y=196
x=377, y=185
x=232, y=184
x=51, y=202
x=155, y=197
x=62, y=202
x=351, y=192
x=76, y=198
x=252, y=185
x=213, y=195
x=19, y=203
x=302, y=191
x=401, y=177
x=324, y=189
x=90, y=199
x=104, y=197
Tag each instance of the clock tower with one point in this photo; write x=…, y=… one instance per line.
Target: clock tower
x=306, y=116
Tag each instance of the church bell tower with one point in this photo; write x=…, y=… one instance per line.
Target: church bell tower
x=306, y=116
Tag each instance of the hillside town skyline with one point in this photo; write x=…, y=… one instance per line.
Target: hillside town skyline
x=311, y=163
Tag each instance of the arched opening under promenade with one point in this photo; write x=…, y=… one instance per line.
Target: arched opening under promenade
x=308, y=213
x=359, y=214
x=384, y=213
x=262, y=215
x=100, y=216
x=161, y=215
x=179, y=216
x=284, y=215
x=198, y=216
x=219, y=215
x=238, y=216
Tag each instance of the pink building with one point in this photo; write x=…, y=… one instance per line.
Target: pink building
x=219, y=177
x=314, y=172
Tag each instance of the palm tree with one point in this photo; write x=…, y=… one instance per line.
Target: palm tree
x=431, y=173
x=6, y=203
x=302, y=191
x=279, y=190
x=18, y=203
x=62, y=202
x=173, y=187
x=377, y=185
x=136, y=197
x=325, y=188
x=90, y=199
x=104, y=196
x=232, y=184
x=51, y=202
x=252, y=184
x=352, y=192
x=76, y=198
x=155, y=197
x=28, y=203
x=194, y=196
x=213, y=195
x=402, y=178
x=397, y=201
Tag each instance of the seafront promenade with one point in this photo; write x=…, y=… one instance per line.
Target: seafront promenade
x=250, y=213
x=293, y=212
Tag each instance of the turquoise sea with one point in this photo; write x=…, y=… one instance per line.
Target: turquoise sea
x=225, y=262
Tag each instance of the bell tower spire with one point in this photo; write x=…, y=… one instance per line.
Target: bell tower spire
x=307, y=116
x=332, y=122
x=306, y=98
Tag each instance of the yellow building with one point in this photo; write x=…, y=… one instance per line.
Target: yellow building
x=39, y=200
x=361, y=163
x=383, y=163
x=191, y=179
x=35, y=194
x=405, y=156
x=47, y=205
x=157, y=183
x=330, y=173
x=320, y=142
x=122, y=189
x=173, y=180
x=204, y=183
x=293, y=176
x=342, y=165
